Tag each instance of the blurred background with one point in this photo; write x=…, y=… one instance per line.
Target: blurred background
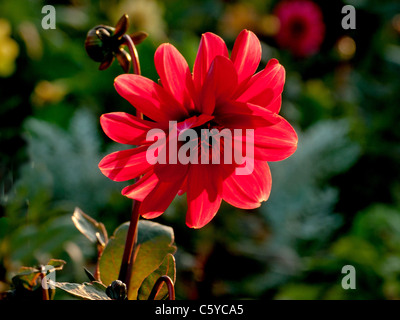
x=335, y=202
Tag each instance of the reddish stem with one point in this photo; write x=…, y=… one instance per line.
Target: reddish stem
x=157, y=286
x=130, y=250
x=128, y=258
x=100, y=249
x=134, y=54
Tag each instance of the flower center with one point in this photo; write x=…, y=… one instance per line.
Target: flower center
x=297, y=27
x=205, y=136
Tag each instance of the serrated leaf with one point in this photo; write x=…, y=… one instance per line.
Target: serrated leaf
x=88, y=290
x=166, y=268
x=89, y=227
x=155, y=242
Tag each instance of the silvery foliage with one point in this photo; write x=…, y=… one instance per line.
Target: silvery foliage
x=301, y=205
x=66, y=161
x=301, y=202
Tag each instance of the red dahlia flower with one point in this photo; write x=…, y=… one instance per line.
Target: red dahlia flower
x=221, y=93
x=301, y=28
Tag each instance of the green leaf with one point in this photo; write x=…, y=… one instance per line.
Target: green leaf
x=356, y=250
x=29, y=277
x=58, y=264
x=299, y=291
x=166, y=268
x=4, y=226
x=88, y=290
x=155, y=242
x=90, y=228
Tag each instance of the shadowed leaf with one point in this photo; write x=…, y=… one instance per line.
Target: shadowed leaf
x=29, y=277
x=166, y=268
x=155, y=242
x=90, y=228
x=87, y=290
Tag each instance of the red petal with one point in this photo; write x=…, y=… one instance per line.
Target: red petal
x=275, y=106
x=183, y=188
x=247, y=191
x=246, y=54
x=203, y=194
x=276, y=142
x=220, y=84
x=125, y=128
x=239, y=115
x=149, y=98
x=210, y=46
x=264, y=87
x=170, y=172
x=140, y=190
x=158, y=200
x=193, y=122
x=125, y=165
x=175, y=74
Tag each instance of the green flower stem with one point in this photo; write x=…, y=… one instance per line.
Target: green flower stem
x=130, y=250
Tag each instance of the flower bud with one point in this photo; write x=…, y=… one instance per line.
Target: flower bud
x=98, y=43
x=117, y=290
x=104, y=43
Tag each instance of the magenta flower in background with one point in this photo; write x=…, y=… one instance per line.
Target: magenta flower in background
x=302, y=28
